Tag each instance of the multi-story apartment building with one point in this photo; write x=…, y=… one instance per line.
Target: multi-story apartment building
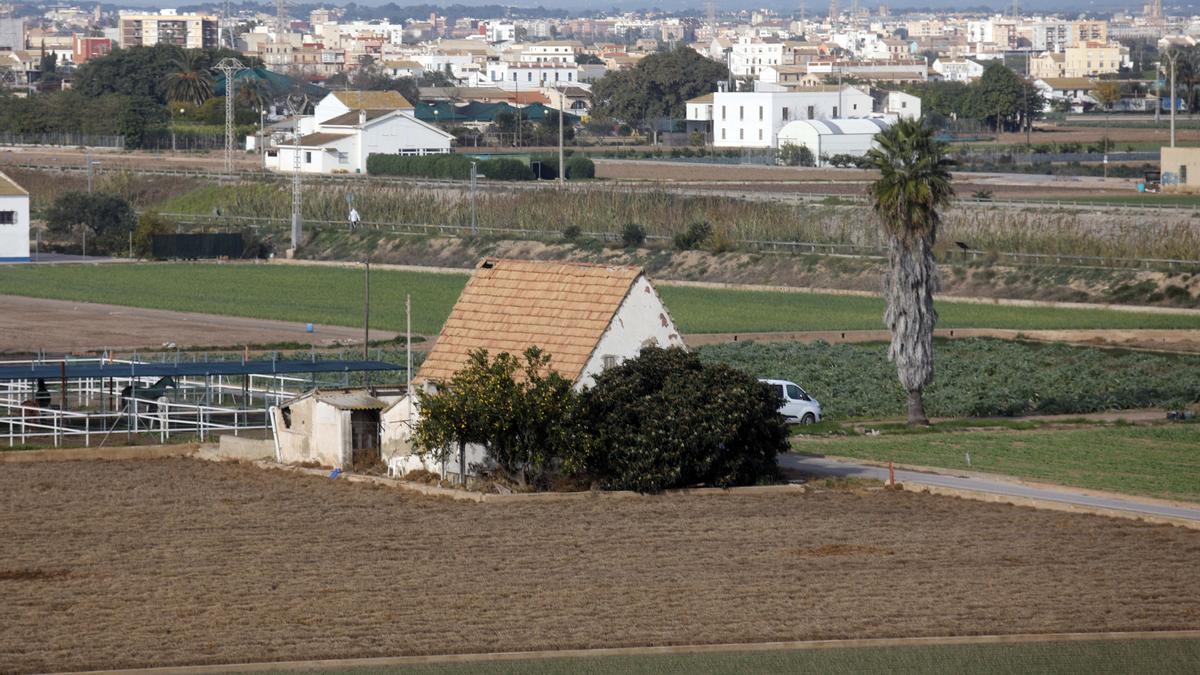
x=748, y=57
x=1094, y=58
x=12, y=34
x=1050, y=35
x=551, y=52
x=957, y=70
x=190, y=31
x=85, y=49
x=1083, y=32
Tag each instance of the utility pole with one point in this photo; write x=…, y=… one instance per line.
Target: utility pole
x=366, y=307
x=562, y=168
x=296, y=234
x=91, y=165
x=474, y=175
x=229, y=67
x=1173, y=56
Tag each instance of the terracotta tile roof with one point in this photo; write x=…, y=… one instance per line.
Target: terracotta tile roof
x=9, y=187
x=350, y=119
x=373, y=100
x=319, y=139
x=509, y=305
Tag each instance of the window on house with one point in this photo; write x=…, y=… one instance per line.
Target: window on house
x=760, y=113
x=785, y=114
x=307, y=157
x=741, y=134
x=741, y=112
x=835, y=111
x=609, y=361
x=812, y=112
x=760, y=134
x=722, y=113
x=722, y=134
x=343, y=158
x=1183, y=174
x=8, y=217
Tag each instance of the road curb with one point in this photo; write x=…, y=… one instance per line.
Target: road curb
x=805, y=645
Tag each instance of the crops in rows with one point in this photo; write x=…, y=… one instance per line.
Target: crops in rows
x=974, y=377
x=604, y=210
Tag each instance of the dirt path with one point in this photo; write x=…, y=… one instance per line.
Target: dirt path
x=1185, y=341
x=31, y=324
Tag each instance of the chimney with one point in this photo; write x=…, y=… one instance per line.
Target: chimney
x=362, y=117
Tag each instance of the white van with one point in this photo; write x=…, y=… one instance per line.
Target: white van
x=798, y=406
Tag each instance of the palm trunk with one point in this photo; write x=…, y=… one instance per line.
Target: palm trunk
x=916, y=409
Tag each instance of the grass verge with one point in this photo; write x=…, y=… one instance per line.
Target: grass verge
x=1157, y=461
x=1108, y=656
x=333, y=296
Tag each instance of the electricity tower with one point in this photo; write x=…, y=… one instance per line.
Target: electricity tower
x=229, y=67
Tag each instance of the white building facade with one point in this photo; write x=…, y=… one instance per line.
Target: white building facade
x=14, y=221
x=753, y=119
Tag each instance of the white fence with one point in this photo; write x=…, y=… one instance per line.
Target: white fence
x=87, y=411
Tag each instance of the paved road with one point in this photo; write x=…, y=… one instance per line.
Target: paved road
x=830, y=467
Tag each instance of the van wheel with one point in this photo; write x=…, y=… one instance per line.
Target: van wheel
x=808, y=419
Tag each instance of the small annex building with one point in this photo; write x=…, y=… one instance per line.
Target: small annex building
x=14, y=221
x=587, y=317
x=826, y=138
x=338, y=428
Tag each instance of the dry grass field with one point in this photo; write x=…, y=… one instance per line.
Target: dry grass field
x=159, y=562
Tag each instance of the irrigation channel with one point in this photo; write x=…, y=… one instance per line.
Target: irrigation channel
x=88, y=401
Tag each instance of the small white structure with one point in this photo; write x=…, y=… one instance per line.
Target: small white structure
x=14, y=221
x=337, y=429
x=826, y=138
x=347, y=127
x=586, y=317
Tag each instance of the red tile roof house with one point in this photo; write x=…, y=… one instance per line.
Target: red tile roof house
x=586, y=317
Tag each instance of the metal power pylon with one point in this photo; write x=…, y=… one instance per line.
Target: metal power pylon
x=229, y=67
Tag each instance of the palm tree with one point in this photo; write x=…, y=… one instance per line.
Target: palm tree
x=914, y=184
x=190, y=81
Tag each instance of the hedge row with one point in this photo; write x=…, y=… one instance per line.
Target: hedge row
x=457, y=167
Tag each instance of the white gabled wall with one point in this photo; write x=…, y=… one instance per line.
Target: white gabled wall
x=14, y=236
x=641, y=320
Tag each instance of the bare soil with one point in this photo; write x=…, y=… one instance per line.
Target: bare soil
x=31, y=324
x=176, y=561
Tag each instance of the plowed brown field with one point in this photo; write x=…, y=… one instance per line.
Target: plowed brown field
x=175, y=561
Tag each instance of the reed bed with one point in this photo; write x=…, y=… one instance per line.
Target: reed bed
x=663, y=214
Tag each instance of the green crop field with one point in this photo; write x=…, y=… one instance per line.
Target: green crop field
x=1156, y=461
x=973, y=377
x=328, y=295
x=1066, y=658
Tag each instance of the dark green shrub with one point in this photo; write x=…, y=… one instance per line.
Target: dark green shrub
x=633, y=235
x=571, y=232
x=695, y=235
x=665, y=420
x=580, y=167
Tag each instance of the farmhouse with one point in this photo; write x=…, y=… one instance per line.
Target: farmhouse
x=586, y=317
x=347, y=126
x=14, y=221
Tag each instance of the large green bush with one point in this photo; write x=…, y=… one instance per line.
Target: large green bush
x=666, y=419
x=661, y=420
x=580, y=167
x=449, y=166
x=107, y=218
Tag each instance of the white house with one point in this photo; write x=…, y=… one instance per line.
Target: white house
x=14, y=221
x=347, y=127
x=753, y=118
x=826, y=138
x=957, y=70
x=585, y=317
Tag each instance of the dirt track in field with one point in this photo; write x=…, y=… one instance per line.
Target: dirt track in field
x=175, y=561
x=59, y=326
